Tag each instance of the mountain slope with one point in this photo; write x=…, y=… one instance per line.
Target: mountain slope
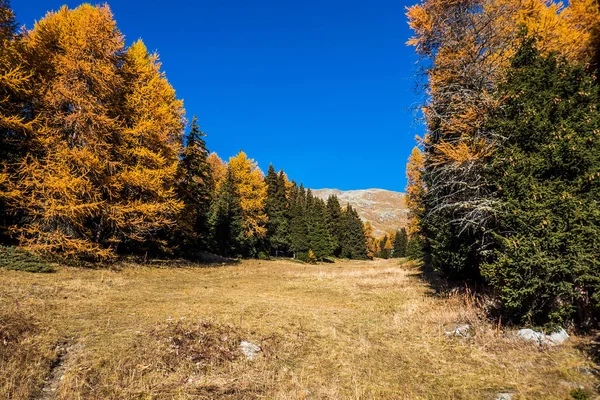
x=384, y=209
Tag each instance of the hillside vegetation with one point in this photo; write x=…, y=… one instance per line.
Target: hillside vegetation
x=385, y=210
x=350, y=330
x=504, y=186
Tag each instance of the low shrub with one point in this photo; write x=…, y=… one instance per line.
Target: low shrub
x=15, y=258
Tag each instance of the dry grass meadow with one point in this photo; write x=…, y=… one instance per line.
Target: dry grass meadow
x=349, y=330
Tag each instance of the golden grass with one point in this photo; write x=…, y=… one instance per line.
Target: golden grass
x=350, y=330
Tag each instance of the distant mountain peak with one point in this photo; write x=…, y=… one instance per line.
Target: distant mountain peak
x=384, y=209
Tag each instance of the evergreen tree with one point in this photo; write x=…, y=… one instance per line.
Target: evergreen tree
x=298, y=229
x=335, y=223
x=276, y=209
x=319, y=238
x=225, y=219
x=195, y=187
x=400, y=243
x=547, y=170
x=354, y=244
x=414, y=247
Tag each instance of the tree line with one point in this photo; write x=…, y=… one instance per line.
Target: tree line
x=94, y=162
x=504, y=187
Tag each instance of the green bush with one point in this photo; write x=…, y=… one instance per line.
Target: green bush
x=546, y=268
x=580, y=394
x=15, y=258
x=302, y=256
x=263, y=256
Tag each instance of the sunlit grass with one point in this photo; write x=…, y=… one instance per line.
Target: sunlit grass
x=350, y=330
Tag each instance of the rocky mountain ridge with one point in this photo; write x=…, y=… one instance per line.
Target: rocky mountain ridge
x=384, y=209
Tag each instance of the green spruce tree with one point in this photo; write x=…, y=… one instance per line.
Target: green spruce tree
x=195, y=185
x=225, y=220
x=319, y=238
x=354, y=242
x=335, y=224
x=277, y=209
x=400, y=243
x=547, y=170
x=299, y=244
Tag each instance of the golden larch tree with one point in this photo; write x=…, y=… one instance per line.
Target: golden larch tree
x=252, y=189
x=143, y=205
x=218, y=168
x=61, y=185
x=415, y=189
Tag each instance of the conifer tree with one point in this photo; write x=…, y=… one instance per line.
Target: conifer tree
x=386, y=247
x=335, y=223
x=62, y=188
x=400, y=242
x=15, y=125
x=547, y=172
x=225, y=219
x=277, y=209
x=372, y=247
x=252, y=190
x=354, y=244
x=195, y=187
x=414, y=247
x=319, y=238
x=298, y=227
x=218, y=171
x=143, y=206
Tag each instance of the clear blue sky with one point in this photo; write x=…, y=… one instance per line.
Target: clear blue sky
x=322, y=89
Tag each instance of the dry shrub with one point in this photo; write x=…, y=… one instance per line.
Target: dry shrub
x=202, y=344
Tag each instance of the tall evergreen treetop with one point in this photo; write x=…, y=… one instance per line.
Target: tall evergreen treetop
x=335, y=224
x=195, y=186
x=400, y=243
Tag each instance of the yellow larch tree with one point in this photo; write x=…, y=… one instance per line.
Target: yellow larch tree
x=15, y=128
x=218, y=168
x=371, y=241
x=60, y=185
x=252, y=190
x=143, y=204
x=415, y=189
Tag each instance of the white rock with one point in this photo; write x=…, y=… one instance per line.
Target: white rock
x=250, y=350
x=540, y=338
x=559, y=337
x=504, y=396
x=461, y=331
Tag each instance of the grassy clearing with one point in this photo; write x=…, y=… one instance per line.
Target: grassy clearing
x=350, y=330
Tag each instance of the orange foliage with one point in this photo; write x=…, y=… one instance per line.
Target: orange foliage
x=218, y=169
x=415, y=189
x=143, y=201
x=104, y=152
x=252, y=189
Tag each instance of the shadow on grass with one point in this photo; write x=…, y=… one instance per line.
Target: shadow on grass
x=195, y=260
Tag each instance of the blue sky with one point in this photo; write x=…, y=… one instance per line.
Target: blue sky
x=322, y=89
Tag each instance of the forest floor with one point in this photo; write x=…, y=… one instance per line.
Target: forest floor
x=349, y=330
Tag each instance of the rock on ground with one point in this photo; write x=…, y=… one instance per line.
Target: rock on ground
x=461, y=331
x=541, y=338
x=250, y=350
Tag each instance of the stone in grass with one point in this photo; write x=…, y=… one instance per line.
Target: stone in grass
x=464, y=331
x=556, y=338
x=504, y=396
x=249, y=350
